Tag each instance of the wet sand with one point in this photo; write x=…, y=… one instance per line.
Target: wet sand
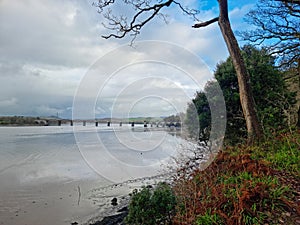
x=47, y=203
x=66, y=203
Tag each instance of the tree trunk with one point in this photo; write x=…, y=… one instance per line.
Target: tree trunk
x=253, y=126
x=298, y=122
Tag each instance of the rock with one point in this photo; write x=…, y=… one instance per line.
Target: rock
x=112, y=220
x=114, y=201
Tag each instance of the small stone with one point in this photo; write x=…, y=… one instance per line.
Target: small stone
x=288, y=214
x=114, y=201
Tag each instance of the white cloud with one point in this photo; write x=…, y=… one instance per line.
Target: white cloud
x=237, y=15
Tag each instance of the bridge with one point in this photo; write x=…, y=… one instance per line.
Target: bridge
x=111, y=122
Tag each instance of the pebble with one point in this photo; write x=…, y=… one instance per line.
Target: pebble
x=114, y=201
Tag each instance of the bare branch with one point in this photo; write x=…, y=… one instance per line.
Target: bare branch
x=187, y=11
x=206, y=23
x=138, y=21
x=144, y=12
x=277, y=21
x=102, y=4
x=289, y=1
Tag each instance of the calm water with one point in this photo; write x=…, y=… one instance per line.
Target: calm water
x=43, y=169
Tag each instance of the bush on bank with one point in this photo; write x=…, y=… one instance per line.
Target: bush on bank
x=151, y=205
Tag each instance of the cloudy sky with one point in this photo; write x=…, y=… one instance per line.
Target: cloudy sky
x=54, y=61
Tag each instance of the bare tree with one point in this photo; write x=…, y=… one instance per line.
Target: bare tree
x=146, y=10
x=278, y=25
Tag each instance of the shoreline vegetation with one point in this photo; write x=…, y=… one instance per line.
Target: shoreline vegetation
x=257, y=184
x=21, y=121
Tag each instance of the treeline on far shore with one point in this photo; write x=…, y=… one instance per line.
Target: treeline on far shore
x=23, y=121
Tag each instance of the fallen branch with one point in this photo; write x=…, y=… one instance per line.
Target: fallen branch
x=79, y=195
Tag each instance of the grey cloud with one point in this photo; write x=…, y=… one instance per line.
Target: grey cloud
x=47, y=47
x=8, y=102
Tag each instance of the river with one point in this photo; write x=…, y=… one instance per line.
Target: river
x=48, y=175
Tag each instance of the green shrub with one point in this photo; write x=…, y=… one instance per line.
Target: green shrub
x=151, y=206
x=209, y=219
